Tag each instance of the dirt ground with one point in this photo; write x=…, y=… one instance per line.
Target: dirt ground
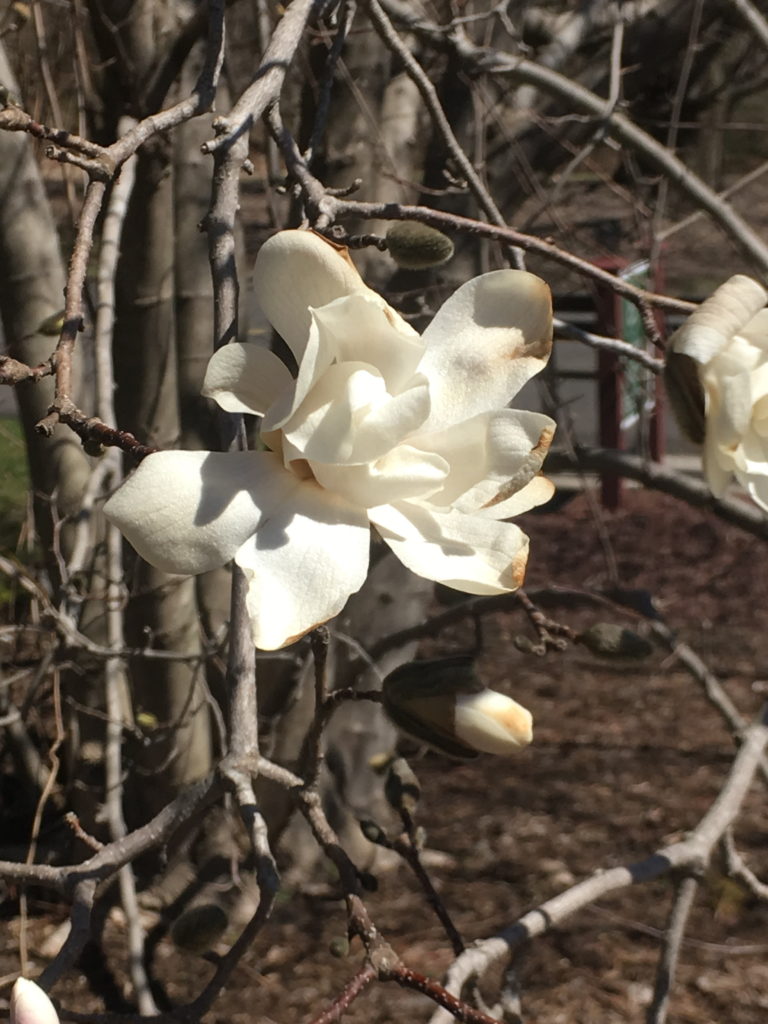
x=626, y=757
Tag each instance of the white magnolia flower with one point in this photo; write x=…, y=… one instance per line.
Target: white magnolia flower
x=30, y=1005
x=727, y=337
x=380, y=426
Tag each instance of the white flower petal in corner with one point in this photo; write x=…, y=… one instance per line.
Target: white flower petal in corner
x=477, y=556
x=188, y=512
x=302, y=564
x=727, y=337
x=30, y=1005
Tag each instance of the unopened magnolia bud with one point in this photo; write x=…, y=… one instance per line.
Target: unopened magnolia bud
x=373, y=833
x=52, y=324
x=442, y=703
x=339, y=947
x=686, y=395
x=199, y=928
x=415, y=246
x=30, y=1005
x=612, y=641
x=401, y=787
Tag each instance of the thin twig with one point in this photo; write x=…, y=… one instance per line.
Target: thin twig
x=736, y=868
x=347, y=996
x=665, y=976
x=478, y=60
x=419, y=77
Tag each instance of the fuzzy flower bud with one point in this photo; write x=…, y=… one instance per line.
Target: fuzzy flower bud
x=443, y=704
x=30, y=1005
x=415, y=246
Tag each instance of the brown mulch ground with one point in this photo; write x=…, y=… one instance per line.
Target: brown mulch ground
x=626, y=757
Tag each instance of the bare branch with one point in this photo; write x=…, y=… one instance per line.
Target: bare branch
x=692, y=853
x=754, y=19
x=482, y=60
x=268, y=80
x=660, y=478
x=737, y=868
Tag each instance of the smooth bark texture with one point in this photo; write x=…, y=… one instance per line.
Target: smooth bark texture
x=31, y=291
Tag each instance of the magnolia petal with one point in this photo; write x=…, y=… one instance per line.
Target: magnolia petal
x=324, y=426
x=491, y=456
x=492, y=722
x=188, y=512
x=756, y=332
x=759, y=382
x=536, y=492
x=753, y=453
x=30, y=1004
x=318, y=357
x=718, y=469
x=336, y=333
x=245, y=377
x=725, y=313
x=757, y=488
x=405, y=472
x=362, y=328
x=296, y=271
x=349, y=417
x=302, y=564
x=486, y=341
x=477, y=556
x=730, y=406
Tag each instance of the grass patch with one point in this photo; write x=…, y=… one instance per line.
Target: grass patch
x=14, y=483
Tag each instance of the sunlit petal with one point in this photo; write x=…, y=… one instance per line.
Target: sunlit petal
x=404, y=472
x=245, y=377
x=490, y=456
x=362, y=328
x=486, y=341
x=478, y=556
x=188, y=512
x=302, y=564
x=295, y=272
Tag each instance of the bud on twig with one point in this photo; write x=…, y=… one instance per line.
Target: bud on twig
x=612, y=641
x=339, y=947
x=373, y=832
x=401, y=787
x=442, y=703
x=415, y=246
